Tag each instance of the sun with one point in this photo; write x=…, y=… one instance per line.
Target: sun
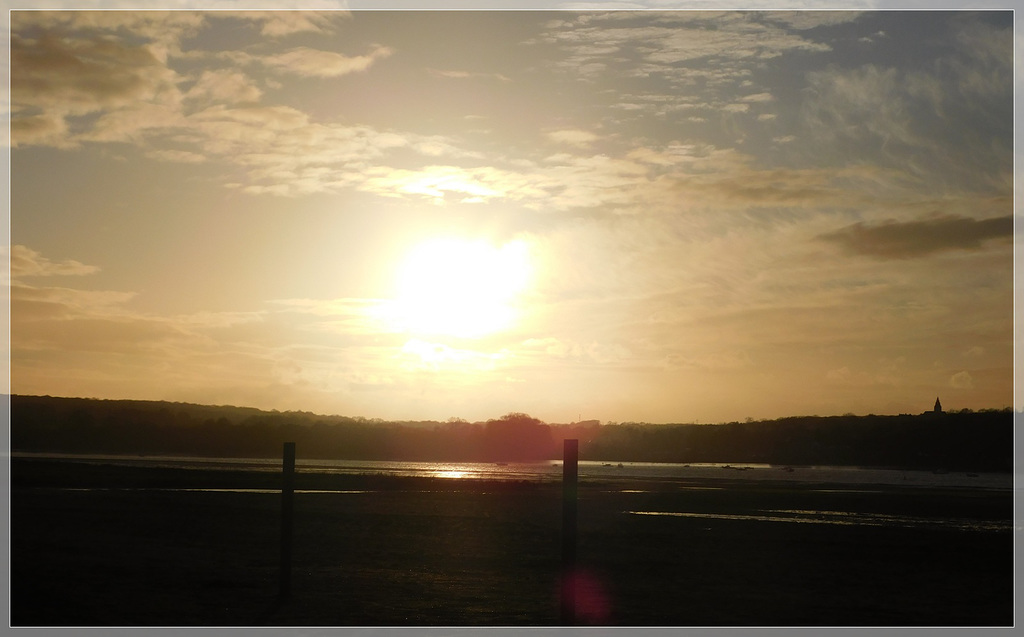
x=467, y=288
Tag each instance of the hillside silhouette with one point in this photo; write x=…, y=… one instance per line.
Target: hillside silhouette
x=962, y=440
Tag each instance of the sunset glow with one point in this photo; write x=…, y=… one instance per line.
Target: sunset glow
x=652, y=216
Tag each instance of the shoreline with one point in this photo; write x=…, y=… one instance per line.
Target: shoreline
x=549, y=471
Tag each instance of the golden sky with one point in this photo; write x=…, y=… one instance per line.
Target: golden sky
x=626, y=216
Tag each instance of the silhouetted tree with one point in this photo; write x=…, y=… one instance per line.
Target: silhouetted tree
x=960, y=440
x=517, y=437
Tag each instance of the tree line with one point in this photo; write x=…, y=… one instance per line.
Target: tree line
x=965, y=440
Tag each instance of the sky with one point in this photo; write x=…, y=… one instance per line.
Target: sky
x=647, y=216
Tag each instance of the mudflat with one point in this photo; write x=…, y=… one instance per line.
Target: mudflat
x=108, y=545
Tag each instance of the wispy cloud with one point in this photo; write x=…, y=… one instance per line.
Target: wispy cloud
x=810, y=19
x=282, y=23
x=868, y=101
x=224, y=87
x=465, y=75
x=672, y=44
x=961, y=380
x=911, y=118
x=573, y=137
x=314, y=63
x=26, y=262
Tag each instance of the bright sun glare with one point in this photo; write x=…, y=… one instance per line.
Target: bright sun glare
x=461, y=287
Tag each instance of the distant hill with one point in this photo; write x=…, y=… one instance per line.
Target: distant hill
x=966, y=440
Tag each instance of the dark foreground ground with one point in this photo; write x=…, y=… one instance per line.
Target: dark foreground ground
x=424, y=552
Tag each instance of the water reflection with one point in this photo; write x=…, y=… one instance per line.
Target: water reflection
x=689, y=476
x=842, y=518
x=448, y=473
x=206, y=490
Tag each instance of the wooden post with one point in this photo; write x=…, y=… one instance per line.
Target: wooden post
x=570, y=471
x=287, y=512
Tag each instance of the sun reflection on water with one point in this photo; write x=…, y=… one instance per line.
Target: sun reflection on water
x=449, y=473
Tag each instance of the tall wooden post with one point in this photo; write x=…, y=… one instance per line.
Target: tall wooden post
x=287, y=512
x=570, y=471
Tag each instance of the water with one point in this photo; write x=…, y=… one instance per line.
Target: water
x=825, y=476
x=632, y=477
x=844, y=518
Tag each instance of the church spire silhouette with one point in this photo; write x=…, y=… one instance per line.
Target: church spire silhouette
x=938, y=406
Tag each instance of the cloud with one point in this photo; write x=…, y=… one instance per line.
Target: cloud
x=108, y=334
x=285, y=152
x=282, y=23
x=553, y=347
x=638, y=180
x=573, y=137
x=29, y=304
x=114, y=68
x=223, y=86
x=53, y=78
x=948, y=122
x=314, y=63
x=27, y=262
x=44, y=129
x=986, y=65
x=90, y=342
x=464, y=75
x=922, y=237
x=803, y=20
x=672, y=43
x=446, y=182
x=355, y=317
x=688, y=67
x=728, y=361
x=419, y=355
x=551, y=351
x=133, y=124
x=179, y=156
x=890, y=373
x=840, y=375
x=157, y=32
x=865, y=101
x=961, y=380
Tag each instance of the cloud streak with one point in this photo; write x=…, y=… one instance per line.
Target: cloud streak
x=921, y=237
x=26, y=262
